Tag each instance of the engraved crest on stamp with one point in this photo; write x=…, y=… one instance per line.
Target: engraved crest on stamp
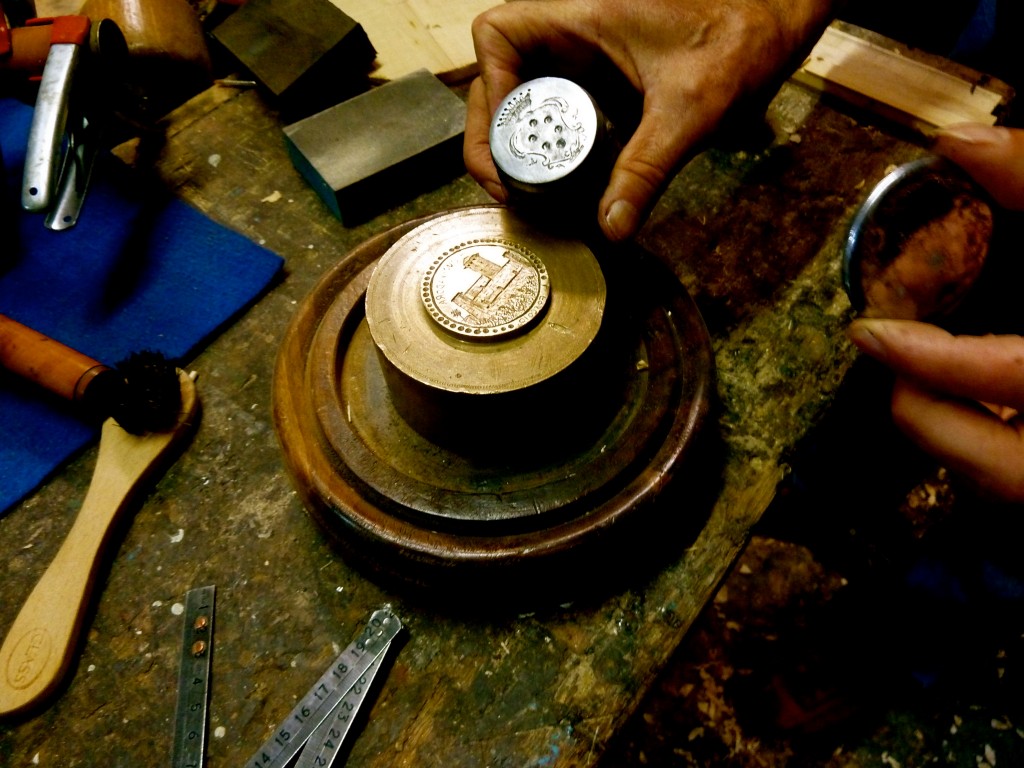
x=551, y=134
x=485, y=288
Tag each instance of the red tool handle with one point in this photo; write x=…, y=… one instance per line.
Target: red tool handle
x=5, y=33
x=24, y=49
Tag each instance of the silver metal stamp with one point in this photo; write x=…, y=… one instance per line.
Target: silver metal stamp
x=549, y=136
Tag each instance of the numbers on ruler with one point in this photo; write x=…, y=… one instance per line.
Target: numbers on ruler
x=301, y=715
x=317, y=705
x=340, y=670
x=193, y=678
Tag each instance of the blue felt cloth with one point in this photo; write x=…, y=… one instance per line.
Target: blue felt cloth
x=140, y=271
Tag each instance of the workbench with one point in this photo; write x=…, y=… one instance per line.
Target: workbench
x=752, y=230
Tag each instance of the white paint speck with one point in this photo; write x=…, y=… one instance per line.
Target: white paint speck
x=273, y=197
x=91, y=668
x=158, y=603
x=339, y=589
x=178, y=537
x=35, y=759
x=177, y=609
x=213, y=159
x=220, y=732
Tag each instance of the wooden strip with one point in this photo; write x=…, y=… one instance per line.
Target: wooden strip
x=417, y=34
x=895, y=85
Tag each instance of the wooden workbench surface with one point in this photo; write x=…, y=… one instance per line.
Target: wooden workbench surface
x=753, y=233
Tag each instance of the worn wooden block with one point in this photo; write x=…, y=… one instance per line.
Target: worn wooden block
x=307, y=53
x=909, y=87
x=381, y=147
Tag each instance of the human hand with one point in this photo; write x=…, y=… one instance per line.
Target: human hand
x=689, y=60
x=958, y=396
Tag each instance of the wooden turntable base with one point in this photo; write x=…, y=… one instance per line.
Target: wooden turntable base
x=552, y=506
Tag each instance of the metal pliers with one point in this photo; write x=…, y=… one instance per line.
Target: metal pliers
x=64, y=138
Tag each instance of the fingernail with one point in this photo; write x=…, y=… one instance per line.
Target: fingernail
x=620, y=220
x=973, y=133
x=865, y=334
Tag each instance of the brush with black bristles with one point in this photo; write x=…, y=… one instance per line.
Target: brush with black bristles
x=142, y=393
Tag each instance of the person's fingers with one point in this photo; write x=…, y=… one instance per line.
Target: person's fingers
x=499, y=59
x=503, y=38
x=647, y=161
x=983, y=368
x=476, y=148
x=715, y=61
x=687, y=61
x=970, y=441
x=508, y=36
x=992, y=155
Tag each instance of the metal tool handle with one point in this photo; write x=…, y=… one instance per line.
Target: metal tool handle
x=79, y=159
x=42, y=155
x=46, y=134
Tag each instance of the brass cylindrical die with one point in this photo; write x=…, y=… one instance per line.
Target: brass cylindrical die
x=471, y=341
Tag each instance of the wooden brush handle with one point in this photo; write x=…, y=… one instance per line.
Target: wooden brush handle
x=40, y=645
x=45, y=361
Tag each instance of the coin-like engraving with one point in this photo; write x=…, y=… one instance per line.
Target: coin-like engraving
x=550, y=133
x=543, y=132
x=485, y=288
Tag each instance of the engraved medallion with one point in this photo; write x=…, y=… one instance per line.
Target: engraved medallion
x=477, y=301
x=485, y=288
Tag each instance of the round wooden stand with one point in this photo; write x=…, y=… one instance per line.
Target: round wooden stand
x=547, y=511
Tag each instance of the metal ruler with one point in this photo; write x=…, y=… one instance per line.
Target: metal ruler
x=194, y=679
x=339, y=691
x=325, y=743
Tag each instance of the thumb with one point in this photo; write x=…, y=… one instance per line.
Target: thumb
x=645, y=165
x=992, y=155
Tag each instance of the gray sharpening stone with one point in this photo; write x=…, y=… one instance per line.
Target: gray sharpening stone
x=381, y=147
